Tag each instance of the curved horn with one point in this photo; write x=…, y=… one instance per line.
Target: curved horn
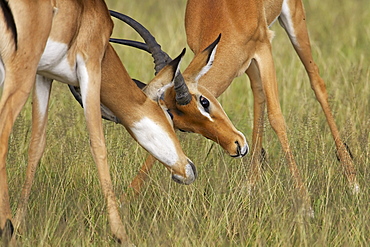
x=161, y=58
x=183, y=96
x=132, y=43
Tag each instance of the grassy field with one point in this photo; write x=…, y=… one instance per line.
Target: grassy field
x=67, y=208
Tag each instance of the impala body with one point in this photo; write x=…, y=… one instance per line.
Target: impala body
x=246, y=47
x=68, y=41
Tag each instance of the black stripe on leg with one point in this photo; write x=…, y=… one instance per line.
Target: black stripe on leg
x=9, y=19
x=348, y=150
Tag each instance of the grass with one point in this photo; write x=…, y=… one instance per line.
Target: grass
x=67, y=208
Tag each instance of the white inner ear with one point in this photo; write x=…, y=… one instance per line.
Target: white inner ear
x=206, y=68
x=177, y=70
x=163, y=89
x=165, y=108
x=157, y=94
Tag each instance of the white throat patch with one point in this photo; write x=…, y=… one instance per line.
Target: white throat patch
x=155, y=140
x=54, y=63
x=206, y=68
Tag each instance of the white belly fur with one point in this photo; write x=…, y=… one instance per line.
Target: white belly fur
x=55, y=65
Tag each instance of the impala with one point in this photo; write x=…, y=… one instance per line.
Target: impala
x=68, y=41
x=245, y=47
x=191, y=107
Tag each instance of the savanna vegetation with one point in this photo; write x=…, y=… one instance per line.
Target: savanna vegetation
x=67, y=208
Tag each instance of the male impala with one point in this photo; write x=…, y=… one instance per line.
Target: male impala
x=245, y=46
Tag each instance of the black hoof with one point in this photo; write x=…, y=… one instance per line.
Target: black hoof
x=263, y=155
x=348, y=150
x=7, y=232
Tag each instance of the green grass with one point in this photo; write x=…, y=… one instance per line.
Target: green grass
x=67, y=208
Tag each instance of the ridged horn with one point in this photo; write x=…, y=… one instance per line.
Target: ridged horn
x=183, y=96
x=161, y=58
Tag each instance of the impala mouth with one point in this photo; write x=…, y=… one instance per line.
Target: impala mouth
x=240, y=151
x=190, y=172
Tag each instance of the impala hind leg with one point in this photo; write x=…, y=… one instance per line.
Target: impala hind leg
x=292, y=19
x=139, y=180
x=40, y=102
x=17, y=87
x=268, y=78
x=90, y=78
x=259, y=103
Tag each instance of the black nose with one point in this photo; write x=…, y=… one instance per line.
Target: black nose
x=177, y=180
x=190, y=177
x=239, y=150
x=194, y=169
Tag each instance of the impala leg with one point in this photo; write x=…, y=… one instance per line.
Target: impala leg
x=40, y=102
x=259, y=102
x=142, y=175
x=17, y=87
x=268, y=77
x=293, y=21
x=90, y=78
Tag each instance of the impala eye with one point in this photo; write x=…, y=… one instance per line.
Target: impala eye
x=205, y=103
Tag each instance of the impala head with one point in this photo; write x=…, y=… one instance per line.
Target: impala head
x=155, y=131
x=149, y=124
x=193, y=109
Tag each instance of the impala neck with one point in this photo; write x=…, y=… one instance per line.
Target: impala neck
x=206, y=19
x=117, y=85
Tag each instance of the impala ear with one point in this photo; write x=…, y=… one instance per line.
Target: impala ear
x=202, y=63
x=164, y=79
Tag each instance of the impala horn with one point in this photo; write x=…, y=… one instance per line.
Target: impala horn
x=161, y=58
x=183, y=96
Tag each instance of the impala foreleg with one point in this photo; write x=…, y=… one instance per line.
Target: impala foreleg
x=275, y=116
x=259, y=103
x=90, y=78
x=40, y=103
x=293, y=21
x=17, y=87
